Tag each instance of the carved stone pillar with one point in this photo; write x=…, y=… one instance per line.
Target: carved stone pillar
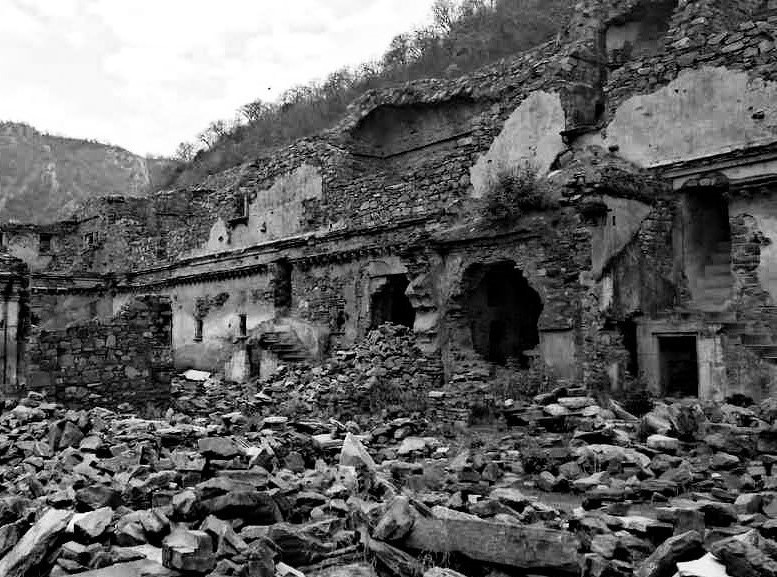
x=13, y=294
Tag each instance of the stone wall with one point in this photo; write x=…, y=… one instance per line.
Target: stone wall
x=701, y=35
x=127, y=359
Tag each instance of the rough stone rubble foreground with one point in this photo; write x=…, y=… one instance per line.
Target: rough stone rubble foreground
x=639, y=257
x=569, y=488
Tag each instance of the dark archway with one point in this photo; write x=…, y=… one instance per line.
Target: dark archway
x=389, y=304
x=503, y=312
x=282, y=289
x=707, y=244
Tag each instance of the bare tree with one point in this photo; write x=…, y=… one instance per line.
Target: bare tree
x=445, y=13
x=253, y=111
x=184, y=152
x=216, y=130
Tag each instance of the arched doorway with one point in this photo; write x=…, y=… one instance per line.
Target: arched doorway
x=503, y=312
x=389, y=303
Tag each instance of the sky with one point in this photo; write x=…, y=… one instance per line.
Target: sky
x=148, y=74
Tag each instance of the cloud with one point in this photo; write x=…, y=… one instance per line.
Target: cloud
x=150, y=73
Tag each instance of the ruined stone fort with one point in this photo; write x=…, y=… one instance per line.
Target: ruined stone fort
x=601, y=210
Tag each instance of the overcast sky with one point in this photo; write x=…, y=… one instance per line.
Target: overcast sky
x=147, y=74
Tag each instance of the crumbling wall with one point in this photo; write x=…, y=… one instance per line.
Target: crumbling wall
x=217, y=305
x=552, y=251
x=702, y=34
x=392, y=130
x=128, y=358
x=51, y=310
x=702, y=112
x=330, y=295
x=755, y=252
x=268, y=214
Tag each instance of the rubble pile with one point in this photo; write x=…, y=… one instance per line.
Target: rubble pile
x=571, y=487
x=384, y=375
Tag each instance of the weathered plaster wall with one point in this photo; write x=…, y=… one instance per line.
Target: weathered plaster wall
x=531, y=136
x=275, y=212
x=26, y=246
x=703, y=112
x=219, y=304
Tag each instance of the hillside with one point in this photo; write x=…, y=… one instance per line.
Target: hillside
x=42, y=176
x=464, y=35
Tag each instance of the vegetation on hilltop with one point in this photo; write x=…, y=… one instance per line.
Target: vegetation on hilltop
x=464, y=35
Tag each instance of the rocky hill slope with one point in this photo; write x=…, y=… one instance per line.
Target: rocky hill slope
x=43, y=176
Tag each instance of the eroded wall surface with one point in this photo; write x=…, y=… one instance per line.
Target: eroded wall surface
x=702, y=112
x=531, y=137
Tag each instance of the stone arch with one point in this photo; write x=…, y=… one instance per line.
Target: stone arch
x=390, y=304
x=502, y=311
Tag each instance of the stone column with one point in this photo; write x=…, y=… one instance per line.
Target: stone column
x=13, y=292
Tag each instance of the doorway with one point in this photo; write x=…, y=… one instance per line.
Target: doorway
x=503, y=311
x=282, y=289
x=679, y=365
x=389, y=304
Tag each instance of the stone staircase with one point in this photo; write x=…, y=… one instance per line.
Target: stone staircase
x=284, y=343
x=758, y=336
x=712, y=293
x=713, y=289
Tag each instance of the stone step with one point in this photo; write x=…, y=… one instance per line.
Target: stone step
x=714, y=283
x=769, y=350
x=758, y=339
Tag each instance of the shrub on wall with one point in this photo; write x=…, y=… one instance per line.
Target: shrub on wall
x=514, y=190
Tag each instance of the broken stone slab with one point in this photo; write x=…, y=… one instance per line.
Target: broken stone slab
x=227, y=542
x=90, y=526
x=63, y=434
x=36, y=544
x=524, y=547
x=196, y=376
x=354, y=454
x=259, y=507
x=144, y=568
x=575, y=403
x=188, y=461
x=663, y=561
x=283, y=570
x=707, y=566
x=396, y=522
x=398, y=562
x=219, y=448
x=743, y=559
x=747, y=503
x=10, y=535
x=440, y=572
x=97, y=496
x=326, y=441
x=663, y=443
x=188, y=551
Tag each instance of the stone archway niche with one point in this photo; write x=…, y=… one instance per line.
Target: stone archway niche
x=503, y=311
